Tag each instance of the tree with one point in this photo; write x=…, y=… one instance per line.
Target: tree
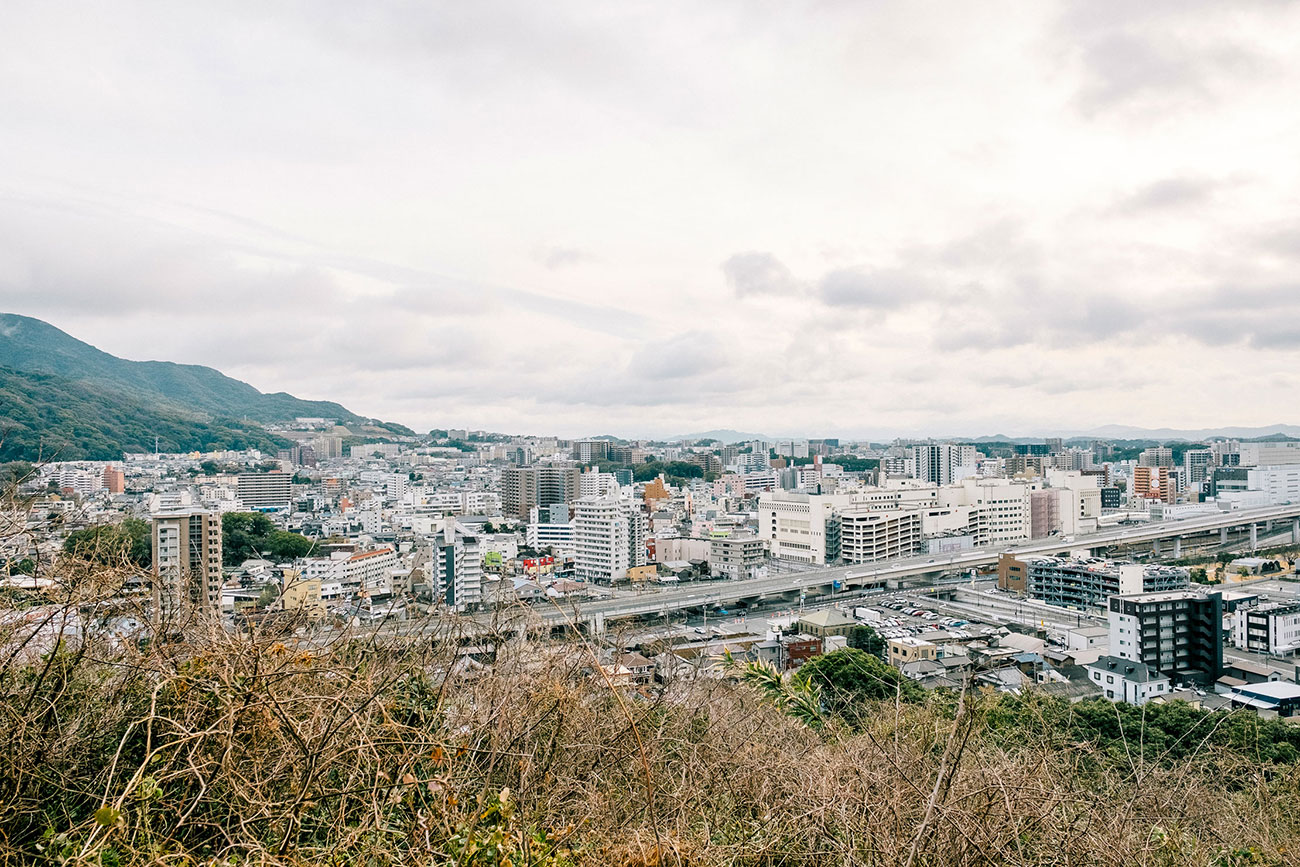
x=243, y=535
x=849, y=677
x=130, y=542
x=867, y=639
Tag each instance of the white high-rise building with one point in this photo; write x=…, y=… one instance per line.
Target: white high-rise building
x=597, y=484
x=943, y=463
x=458, y=566
x=609, y=534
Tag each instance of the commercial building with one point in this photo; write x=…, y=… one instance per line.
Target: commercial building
x=802, y=527
x=1280, y=484
x=264, y=490
x=1126, y=680
x=187, y=564
x=1179, y=633
x=1272, y=628
x=1267, y=454
x=737, y=556
x=1089, y=583
x=609, y=535
x=868, y=535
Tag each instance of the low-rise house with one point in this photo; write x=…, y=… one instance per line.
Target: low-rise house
x=1127, y=680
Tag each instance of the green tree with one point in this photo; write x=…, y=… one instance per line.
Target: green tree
x=283, y=545
x=866, y=638
x=243, y=536
x=130, y=542
x=849, y=677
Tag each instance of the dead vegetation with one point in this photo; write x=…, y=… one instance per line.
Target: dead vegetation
x=382, y=748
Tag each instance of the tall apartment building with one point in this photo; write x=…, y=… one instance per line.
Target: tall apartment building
x=1157, y=456
x=591, y=451
x=943, y=463
x=114, y=480
x=597, y=484
x=609, y=534
x=458, y=566
x=868, y=535
x=327, y=447
x=265, y=490
x=1178, y=633
x=187, y=563
x=1197, y=463
x=1154, y=483
x=1089, y=583
x=522, y=488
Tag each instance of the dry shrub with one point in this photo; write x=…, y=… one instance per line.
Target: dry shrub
x=338, y=747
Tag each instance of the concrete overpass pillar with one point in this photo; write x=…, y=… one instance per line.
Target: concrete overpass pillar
x=1254, y=535
x=1223, y=535
x=1295, y=532
x=1155, y=547
x=1268, y=526
x=1178, y=547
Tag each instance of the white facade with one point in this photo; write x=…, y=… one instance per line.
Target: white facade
x=560, y=538
x=597, y=484
x=609, y=535
x=794, y=525
x=1127, y=681
x=1280, y=484
x=345, y=574
x=458, y=567
x=943, y=463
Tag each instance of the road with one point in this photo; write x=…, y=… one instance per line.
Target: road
x=821, y=582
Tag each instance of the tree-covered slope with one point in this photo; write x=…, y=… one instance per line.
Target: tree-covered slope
x=44, y=417
x=33, y=346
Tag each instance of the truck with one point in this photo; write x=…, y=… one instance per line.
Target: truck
x=870, y=615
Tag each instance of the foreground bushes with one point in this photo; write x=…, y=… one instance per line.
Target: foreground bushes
x=250, y=750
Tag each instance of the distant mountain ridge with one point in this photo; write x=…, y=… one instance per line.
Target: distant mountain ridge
x=725, y=436
x=33, y=346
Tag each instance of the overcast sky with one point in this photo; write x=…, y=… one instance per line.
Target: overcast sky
x=655, y=218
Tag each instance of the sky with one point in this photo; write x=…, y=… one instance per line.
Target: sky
x=654, y=218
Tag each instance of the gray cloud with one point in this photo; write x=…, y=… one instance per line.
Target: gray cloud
x=1158, y=54
x=877, y=289
x=756, y=273
x=1171, y=193
x=555, y=258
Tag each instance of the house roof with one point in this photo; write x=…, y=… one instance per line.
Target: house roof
x=828, y=617
x=1129, y=669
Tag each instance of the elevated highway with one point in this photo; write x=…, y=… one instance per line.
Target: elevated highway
x=662, y=603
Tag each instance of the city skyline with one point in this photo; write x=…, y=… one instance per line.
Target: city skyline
x=658, y=220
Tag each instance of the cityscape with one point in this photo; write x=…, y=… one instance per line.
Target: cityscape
x=663, y=435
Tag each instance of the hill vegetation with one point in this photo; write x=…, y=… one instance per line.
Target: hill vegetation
x=45, y=417
x=33, y=346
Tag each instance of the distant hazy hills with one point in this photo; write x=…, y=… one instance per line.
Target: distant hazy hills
x=63, y=399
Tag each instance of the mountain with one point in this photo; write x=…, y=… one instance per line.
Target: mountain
x=723, y=436
x=31, y=346
x=1120, y=431
x=49, y=418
